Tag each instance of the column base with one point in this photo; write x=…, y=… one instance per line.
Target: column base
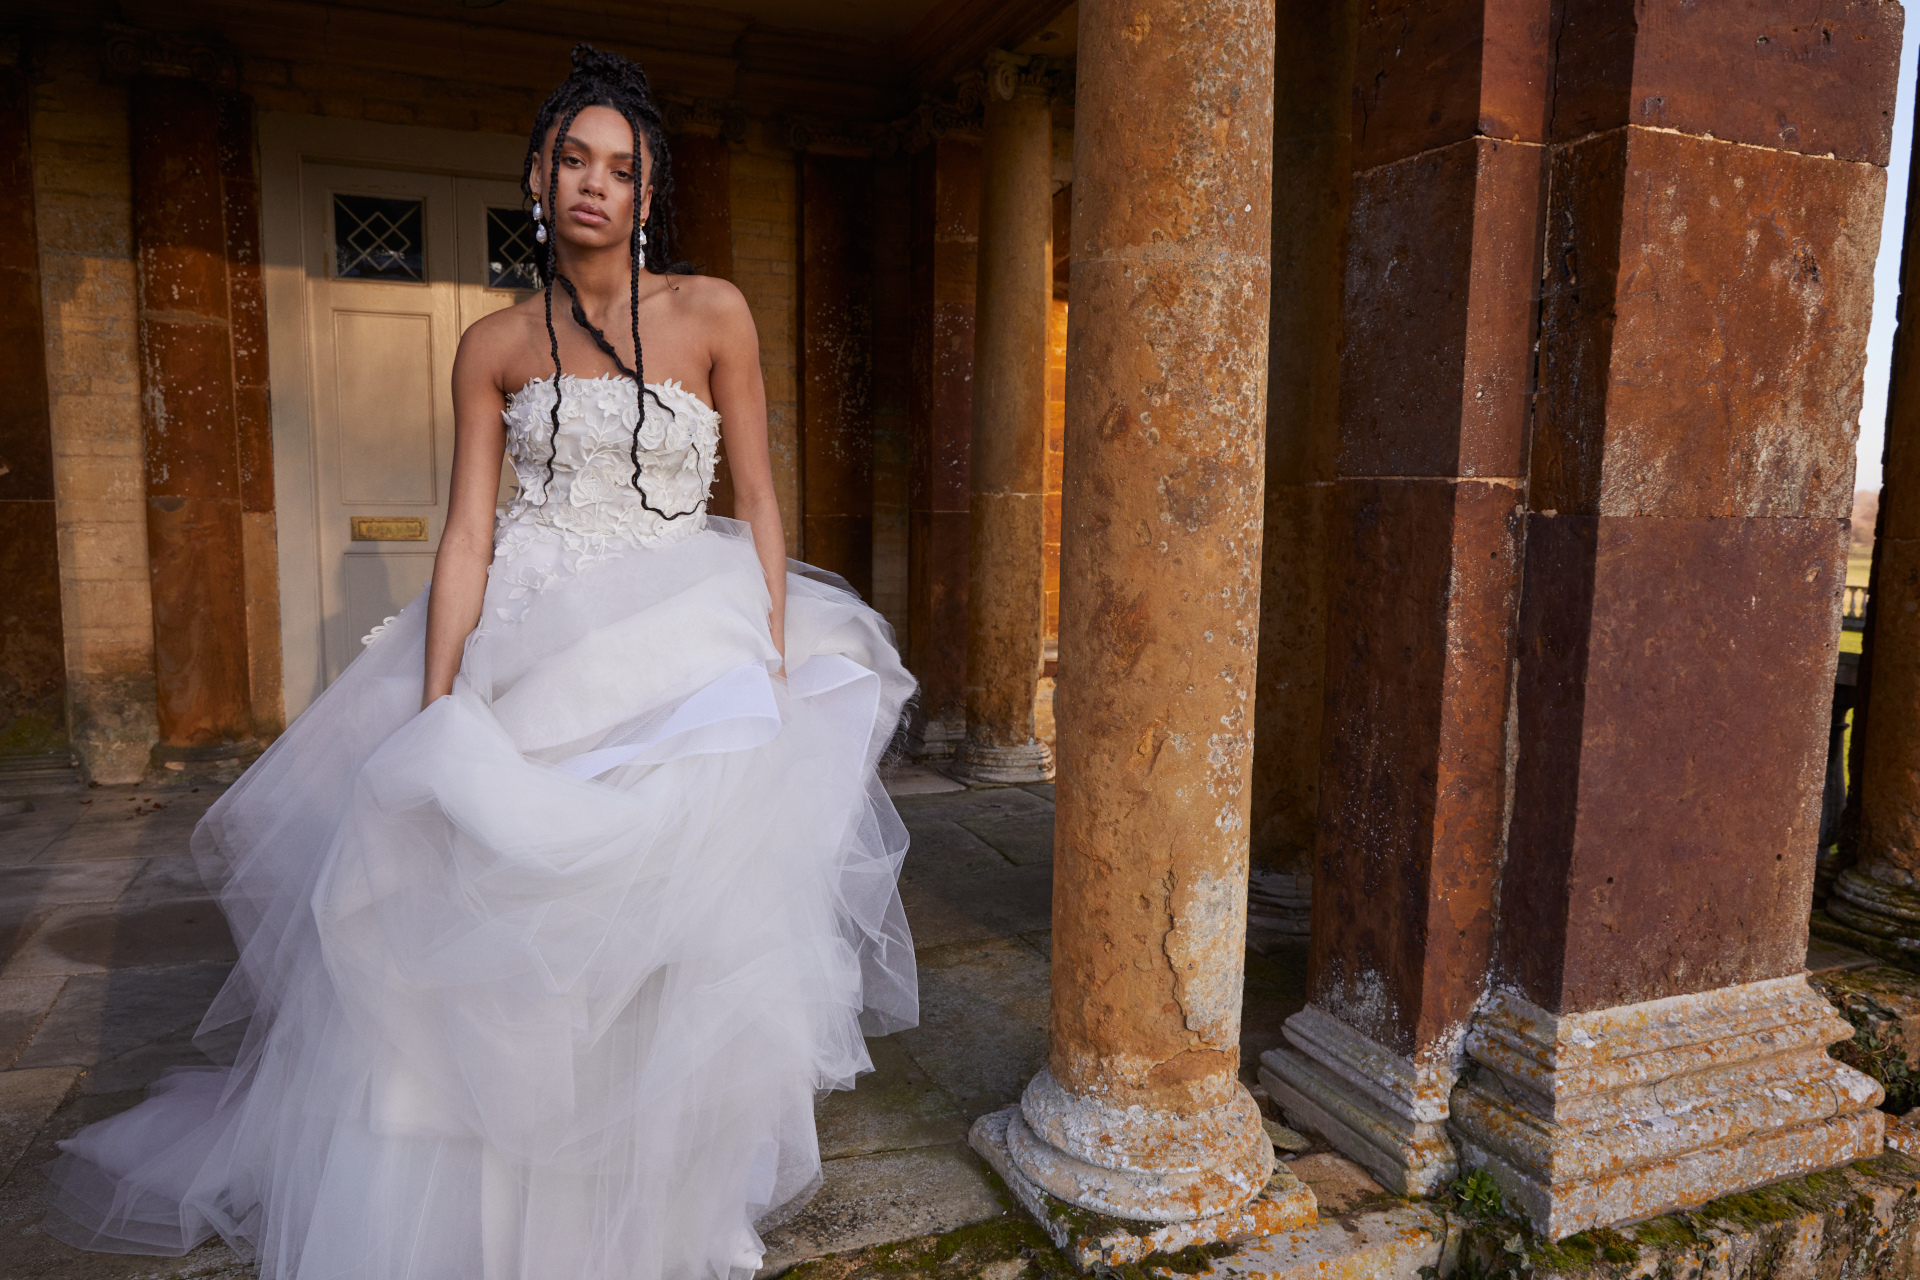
x=1591, y=1119
x=1094, y=1241
x=1381, y=1109
x=979, y=762
x=934, y=739
x=1279, y=904
x=1877, y=915
x=218, y=762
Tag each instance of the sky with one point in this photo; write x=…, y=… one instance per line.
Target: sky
x=1886, y=276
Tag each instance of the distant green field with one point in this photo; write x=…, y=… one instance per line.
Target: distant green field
x=1859, y=565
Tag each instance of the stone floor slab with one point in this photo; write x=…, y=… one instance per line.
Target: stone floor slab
x=1024, y=837
x=887, y=1196
x=24, y=1005
x=1391, y=1244
x=895, y=1107
x=28, y=1100
x=983, y=1021
x=941, y=849
x=944, y=910
x=119, y=1024
x=94, y=939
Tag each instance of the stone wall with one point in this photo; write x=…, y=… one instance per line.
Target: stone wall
x=83, y=185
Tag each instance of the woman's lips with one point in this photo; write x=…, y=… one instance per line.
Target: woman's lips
x=590, y=214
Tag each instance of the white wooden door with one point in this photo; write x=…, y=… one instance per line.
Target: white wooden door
x=398, y=266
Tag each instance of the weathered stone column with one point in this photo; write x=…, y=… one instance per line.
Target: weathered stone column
x=1647, y=1039
x=1312, y=185
x=1875, y=904
x=191, y=409
x=1140, y=1113
x=1006, y=594
x=1421, y=573
x=836, y=366
x=1651, y=1041
x=946, y=229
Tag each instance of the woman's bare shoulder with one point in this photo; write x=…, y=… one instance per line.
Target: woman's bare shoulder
x=716, y=309
x=495, y=346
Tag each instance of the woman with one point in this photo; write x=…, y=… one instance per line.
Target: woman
x=558, y=908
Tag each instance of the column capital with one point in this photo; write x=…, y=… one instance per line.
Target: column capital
x=1012, y=75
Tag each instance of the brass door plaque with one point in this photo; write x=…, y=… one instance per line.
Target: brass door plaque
x=389, y=528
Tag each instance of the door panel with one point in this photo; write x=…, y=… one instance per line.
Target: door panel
x=398, y=265
x=383, y=384
x=383, y=315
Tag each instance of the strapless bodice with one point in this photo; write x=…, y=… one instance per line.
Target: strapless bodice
x=590, y=511
x=591, y=495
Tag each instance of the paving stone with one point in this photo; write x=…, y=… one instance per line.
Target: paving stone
x=24, y=1005
x=122, y=1024
x=28, y=894
x=946, y=909
x=1339, y=1185
x=1042, y=789
x=131, y=825
x=893, y=1195
x=93, y=940
x=1024, y=836
x=983, y=1021
x=940, y=848
x=23, y=836
x=896, y=1106
x=165, y=879
x=918, y=780
x=28, y=1100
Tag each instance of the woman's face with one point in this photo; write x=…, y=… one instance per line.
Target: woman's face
x=600, y=174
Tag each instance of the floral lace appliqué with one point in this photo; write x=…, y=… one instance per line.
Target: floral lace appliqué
x=590, y=511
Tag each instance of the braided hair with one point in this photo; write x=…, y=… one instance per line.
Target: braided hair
x=601, y=79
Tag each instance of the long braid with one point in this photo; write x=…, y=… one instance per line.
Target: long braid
x=553, y=273
x=605, y=79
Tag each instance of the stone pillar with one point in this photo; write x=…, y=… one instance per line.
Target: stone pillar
x=946, y=228
x=1140, y=1113
x=83, y=201
x=836, y=366
x=1421, y=573
x=1875, y=903
x=1006, y=597
x=1647, y=1040
x=33, y=677
x=190, y=414
x=1312, y=182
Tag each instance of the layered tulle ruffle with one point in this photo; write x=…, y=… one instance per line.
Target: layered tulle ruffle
x=540, y=981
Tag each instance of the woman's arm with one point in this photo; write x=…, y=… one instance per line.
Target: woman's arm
x=466, y=544
x=741, y=397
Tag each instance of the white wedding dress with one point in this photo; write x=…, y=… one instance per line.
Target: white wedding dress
x=541, y=983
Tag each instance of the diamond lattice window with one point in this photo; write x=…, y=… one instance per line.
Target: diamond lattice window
x=379, y=238
x=512, y=256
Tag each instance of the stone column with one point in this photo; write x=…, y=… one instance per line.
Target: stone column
x=33, y=674
x=1312, y=184
x=1006, y=594
x=1421, y=574
x=836, y=366
x=1646, y=1040
x=1140, y=1113
x=1875, y=904
x=190, y=412
x=943, y=254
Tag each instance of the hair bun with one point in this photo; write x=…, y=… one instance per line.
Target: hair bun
x=590, y=63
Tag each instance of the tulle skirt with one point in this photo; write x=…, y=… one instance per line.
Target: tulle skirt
x=539, y=983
